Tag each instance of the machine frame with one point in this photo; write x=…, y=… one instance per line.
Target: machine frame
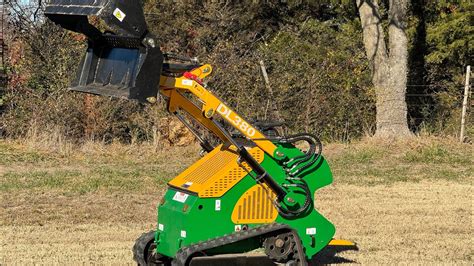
x=241, y=195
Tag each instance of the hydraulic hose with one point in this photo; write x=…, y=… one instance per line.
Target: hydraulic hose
x=291, y=214
x=310, y=163
x=309, y=158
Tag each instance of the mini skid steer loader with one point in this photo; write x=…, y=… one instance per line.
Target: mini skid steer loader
x=241, y=195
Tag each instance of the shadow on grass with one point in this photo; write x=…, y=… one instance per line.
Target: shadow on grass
x=328, y=255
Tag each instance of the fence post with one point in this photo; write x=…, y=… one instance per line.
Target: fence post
x=271, y=100
x=464, y=103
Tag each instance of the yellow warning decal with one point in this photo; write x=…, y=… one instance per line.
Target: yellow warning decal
x=119, y=14
x=255, y=206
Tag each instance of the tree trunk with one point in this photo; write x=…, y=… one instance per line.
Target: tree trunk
x=389, y=68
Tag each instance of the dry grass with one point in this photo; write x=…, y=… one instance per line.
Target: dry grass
x=402, y=202
x=92, y=167
x=377, y=161
x=422, y=223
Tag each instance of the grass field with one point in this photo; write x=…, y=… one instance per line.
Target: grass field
x=402, y=202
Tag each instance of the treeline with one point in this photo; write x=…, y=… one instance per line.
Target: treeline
x=312, y=51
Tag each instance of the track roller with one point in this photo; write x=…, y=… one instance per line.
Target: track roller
x=144, y=251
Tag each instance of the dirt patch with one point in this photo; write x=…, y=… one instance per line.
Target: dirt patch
x=31, y=209
x=426, y=222
x=60, y=244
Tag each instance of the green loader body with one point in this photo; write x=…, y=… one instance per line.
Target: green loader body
x=184, y=222
x=253, y=190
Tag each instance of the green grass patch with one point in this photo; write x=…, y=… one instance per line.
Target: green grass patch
x=358, y=156
x=380, y=163
x=363, y=156
x=366, y=175
x=437, y=153
x=137, y=169
x=9, y=155
x=37, y=180
x=110, y=178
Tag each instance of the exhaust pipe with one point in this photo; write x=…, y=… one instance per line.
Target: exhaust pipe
x=124, y=63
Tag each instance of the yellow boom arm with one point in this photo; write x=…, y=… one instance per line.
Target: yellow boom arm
x=174, y=87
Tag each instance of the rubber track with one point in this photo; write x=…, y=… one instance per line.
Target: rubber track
x=140, y=247
x=184, y=255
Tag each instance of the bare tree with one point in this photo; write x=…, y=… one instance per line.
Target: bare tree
x=388, y=65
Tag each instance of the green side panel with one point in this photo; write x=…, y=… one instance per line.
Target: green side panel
x=317, y=177
x=200, y=218
x=185, y=219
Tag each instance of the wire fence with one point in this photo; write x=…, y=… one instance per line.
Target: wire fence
x=3, y=74
x=428, y=103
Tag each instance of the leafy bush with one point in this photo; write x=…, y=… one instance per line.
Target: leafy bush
x=313, y=54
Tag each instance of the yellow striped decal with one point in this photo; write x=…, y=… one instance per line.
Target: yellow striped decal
x=255, y=206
